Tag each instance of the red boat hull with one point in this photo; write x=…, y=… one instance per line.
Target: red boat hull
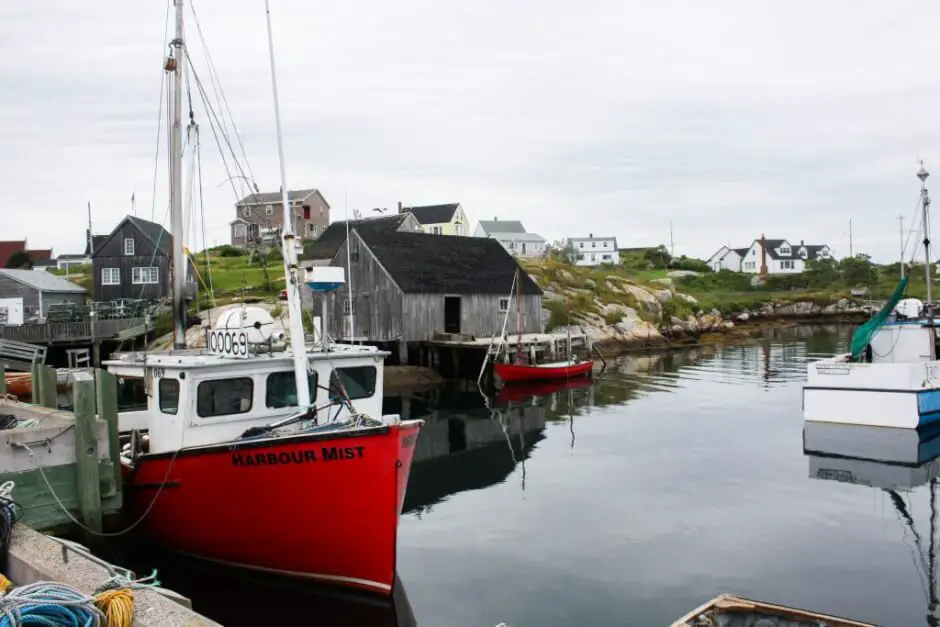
x=520, y=372
x=320, y=506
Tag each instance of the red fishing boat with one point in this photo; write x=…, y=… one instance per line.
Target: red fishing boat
x=262, y=451
x=541, y=372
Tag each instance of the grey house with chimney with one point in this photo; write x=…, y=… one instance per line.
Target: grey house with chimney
x=259, y=217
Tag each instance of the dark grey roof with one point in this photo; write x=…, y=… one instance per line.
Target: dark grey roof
x=42, y=281
x=502, y=226
x=160, y=237
x=430, y=264
x=292, y=195
x=96, y=241
x=69, y=257
x=812, y=250
x=44, y=263
x=433, y=214
x=741, y=251
x=331, y=240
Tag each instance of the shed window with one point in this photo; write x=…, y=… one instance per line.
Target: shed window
x=4, y=315
x=110, y=276
x=169, y=394
x=128, y=246
x=224, y=397
x=503, y=305
x=239, y=230
x=358, y=381
x=247, y=212
x=131, y=394
x=347, y=306
x=145, y=276
x=269, y=210
x=281, y=389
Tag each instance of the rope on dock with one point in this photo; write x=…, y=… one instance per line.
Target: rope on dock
x=49, y=603
x=8, y=518
x=115, y=598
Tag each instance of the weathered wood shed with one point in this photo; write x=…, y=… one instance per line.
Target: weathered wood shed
x=31, y=292
x=411, y=287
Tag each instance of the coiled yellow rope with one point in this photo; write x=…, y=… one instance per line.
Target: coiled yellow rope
x=117, y=606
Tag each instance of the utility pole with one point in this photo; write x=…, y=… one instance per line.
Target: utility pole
x=901, y=231
x=672, y=243
x=851, y=252
x=92, y=314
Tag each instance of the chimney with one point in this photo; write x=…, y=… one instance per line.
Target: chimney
x=400, y=207
x=801, y=243
x=590, y=236
x=763, y=255
x=495, y=219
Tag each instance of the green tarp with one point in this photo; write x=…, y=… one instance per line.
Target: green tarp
x=863, y=334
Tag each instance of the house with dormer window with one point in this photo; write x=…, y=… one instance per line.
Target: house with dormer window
x=768, y=256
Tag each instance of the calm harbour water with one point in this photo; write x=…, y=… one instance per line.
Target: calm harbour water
x=628, y=501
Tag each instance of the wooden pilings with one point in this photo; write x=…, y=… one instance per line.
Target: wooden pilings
x=86, y=450
x=3, y=379
x=106, y=397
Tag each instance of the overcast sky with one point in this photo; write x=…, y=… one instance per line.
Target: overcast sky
x=729, y=119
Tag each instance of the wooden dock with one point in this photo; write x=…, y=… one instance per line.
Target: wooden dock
x=50, y=333
x=64, y=465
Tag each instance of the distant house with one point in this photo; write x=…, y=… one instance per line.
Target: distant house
x=448, y=219
x=133, y=262
x=64, y=262
x=768, y=256
x=323, y=249
x=512, y=236
x=36, y=257
x=410, y=287
x=260, y=217
x=726, y=258
x=26, y=295
x=593, y=251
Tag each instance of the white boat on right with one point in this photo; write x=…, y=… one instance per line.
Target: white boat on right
x=891, y=377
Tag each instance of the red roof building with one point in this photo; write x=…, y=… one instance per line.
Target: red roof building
x=7, y=248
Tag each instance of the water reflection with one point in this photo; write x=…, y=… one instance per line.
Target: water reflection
x=900, y=462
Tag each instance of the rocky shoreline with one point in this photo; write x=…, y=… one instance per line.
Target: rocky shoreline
x=646, y=325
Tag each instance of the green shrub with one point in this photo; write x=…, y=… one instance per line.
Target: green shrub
x=613, y=317
x=230, y=251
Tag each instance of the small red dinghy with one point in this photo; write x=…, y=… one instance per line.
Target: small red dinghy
x=541, y=372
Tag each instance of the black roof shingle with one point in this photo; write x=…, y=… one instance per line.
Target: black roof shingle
x=331, y=240
x=433, y=214
x=431, y=264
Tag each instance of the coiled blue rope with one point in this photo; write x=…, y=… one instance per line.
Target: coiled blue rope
x=48, y=604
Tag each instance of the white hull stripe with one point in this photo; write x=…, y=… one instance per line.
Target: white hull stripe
x=297, y=574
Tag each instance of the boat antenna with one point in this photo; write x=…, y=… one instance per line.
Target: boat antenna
x=174, y=65
x=289, y=249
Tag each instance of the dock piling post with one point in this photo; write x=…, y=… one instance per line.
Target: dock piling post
x=3, y=378
x=106, y=397
x=86, y=450
x=35, y=381
x=48, y=394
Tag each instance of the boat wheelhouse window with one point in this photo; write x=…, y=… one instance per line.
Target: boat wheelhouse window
x=224, y=397
x=168, y=393
x=281, y=389
x=131, y=394
x=358, y=381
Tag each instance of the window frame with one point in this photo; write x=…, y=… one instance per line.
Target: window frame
x=108, y=273
x=130, y=251
x=334, y=393
x=269, y=210
x=240, y=230
x=251, y=397
x=500, y=308
x=137, y=275
x=160, y=394
x=246, y=211
x=313, y=382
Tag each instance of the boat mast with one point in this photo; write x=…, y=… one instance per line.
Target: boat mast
x=289, y=249
x=174, y=65
x=922, y=174
x=518, y=319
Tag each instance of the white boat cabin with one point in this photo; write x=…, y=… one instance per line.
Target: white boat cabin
x=194, y=398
